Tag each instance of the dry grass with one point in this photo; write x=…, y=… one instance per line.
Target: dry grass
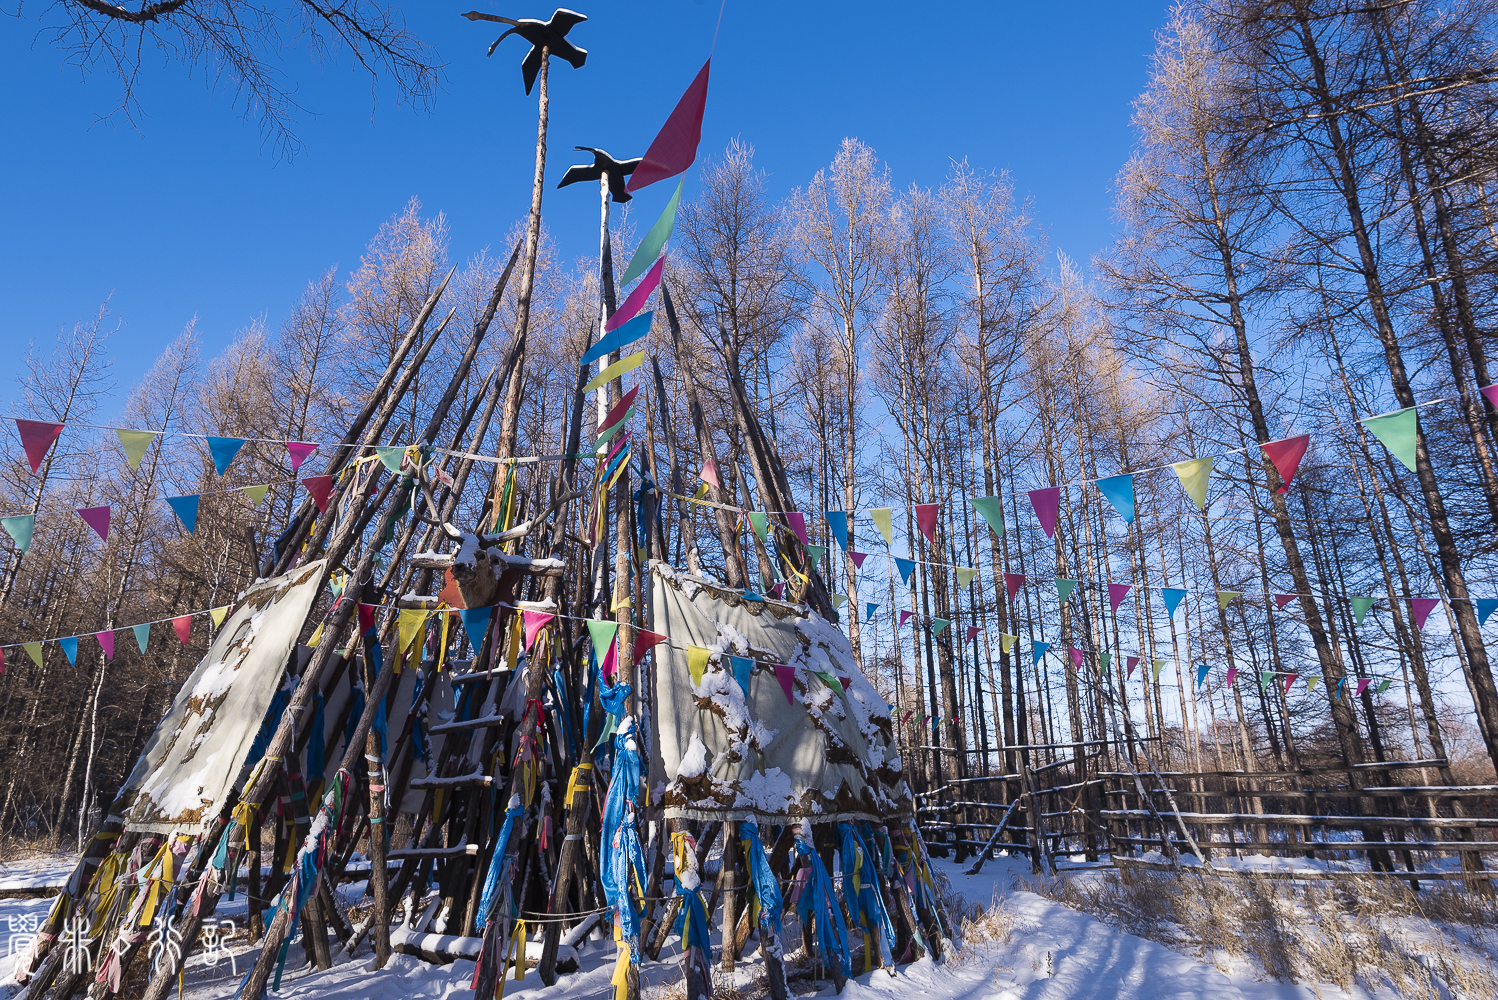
x=1375, y=933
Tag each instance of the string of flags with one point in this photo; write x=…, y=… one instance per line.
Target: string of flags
x=181, y=624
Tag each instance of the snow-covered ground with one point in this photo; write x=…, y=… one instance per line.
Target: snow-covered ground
x=1053, y=953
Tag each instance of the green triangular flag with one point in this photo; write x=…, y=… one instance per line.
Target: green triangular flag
x=33, y=650
x=760, y=522
x=1383, y=686
x=1226, y=597
x=1194, y=476
x=602, y=633
x=20, y=527
x=1397, y=432
x=1264, y=678
x=135, y=444
x=814, y=555
x=965, y=575
x=1360, y=606
x=838, y=600
x=939, y=625
x=255, y=493
x=1064, y=588
x=142, y=635
x=992, y=510
x=650, y=246
x=390, y=456
x=883, y=519
x=1106, y=659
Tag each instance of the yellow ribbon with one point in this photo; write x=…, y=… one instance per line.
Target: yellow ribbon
x=621, y=974
x=517, y=940
x=575, y=786
x=442, y=645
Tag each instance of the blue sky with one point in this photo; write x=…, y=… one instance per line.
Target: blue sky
x=191, y=214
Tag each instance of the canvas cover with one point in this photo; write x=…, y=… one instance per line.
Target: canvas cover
x=188, y=768
x=729, y=754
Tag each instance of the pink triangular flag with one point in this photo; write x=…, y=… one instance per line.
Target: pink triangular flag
x=925, y=519
x=106, y=643
x=97, y=518
x=1013, y=582
x=797, y=521
x=1133, y=662
x=709, y=473
x=1047, y=504
x=675, y=146
x=1289, y=680
x=778, y=588
x=1280, y=600
x=299, y=450
x=1363, y=682
x=1117, y=592
x=904, y=617
x=785, y=675
x=644, y=641
x=1232, y=672
x=1076, y=658
x=183, y=625
x=846, y=682
x=635, y=301
x=37, y=437
x=1490, y=391
x=366, y=618
x=858, y=558
x=1421, y=608
x=534, y=622
x=972, y=632
x=610, y=660
x=1286, y=456
x=319, y=487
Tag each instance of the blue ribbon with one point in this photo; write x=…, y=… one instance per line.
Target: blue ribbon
x=496, y=865
x=865, y=906
x=819, y=901
x=622, y=854
x=765, y=885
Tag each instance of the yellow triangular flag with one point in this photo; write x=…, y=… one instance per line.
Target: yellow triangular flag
x=965, y=575
x=1311, y=683
x=33, y=650
x=218, y=614
x=884, y=521
x=135, y=444
x=1155, y=667
x=1226, y=597
x=1194, y=476
x=411, y=621
x=697, y=657
x=614, y=370
x=255, y=493
x=1006, y=642
x=838, y=600
x=626, y=602
x=316, y=636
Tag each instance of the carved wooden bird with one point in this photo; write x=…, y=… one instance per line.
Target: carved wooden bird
x=550, y=34
x=603, y=165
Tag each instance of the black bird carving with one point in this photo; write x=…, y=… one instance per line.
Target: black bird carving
x=551, y=34
x=603, y=165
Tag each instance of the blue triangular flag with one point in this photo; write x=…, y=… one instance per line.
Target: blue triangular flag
x=1485, y=607
x=742, y=667
x=476, y=624
x=837, y=520
x=70, y=648
x=1172, y=599
x=1120, y=493
x=906, y=568
x=187, y=510
x=620, y=337
x=750, y=595
x=1040, y=648
x=142, y=635
x=223, y=451
x=869, y=609
x=1201, y=673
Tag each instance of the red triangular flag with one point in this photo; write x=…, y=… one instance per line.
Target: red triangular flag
x=904, y=616
x=846, y=682
x=106, y=643
x=1047, y=504
x=972, y=632
x=620, y=408
x=709, y=473
x=778, y=588
x=1013, y=582
x=906, y=717
x=97, y=518
x=36, y=437
x=1133, y=662
x=299, y=450
x=1363, y=682
x=925, y=519
x=1421, y=607
x=1289, y=679
x=1232, y=672
x=1280, y=600
x=319, y=487
x=534, y=622
x=1117, y=592
x=1490, y=391
x=1286, y=456
x=366, y=618
x=858, y=558
x=785, y=675
x=675, y=146
x=1076, y=657
x=644, y=641
x=183, y=625
x=797, y=521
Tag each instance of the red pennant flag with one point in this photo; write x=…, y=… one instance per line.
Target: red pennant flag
x=97, y=518
x=972, y=632
x=106, y=643
x=1047, y=504
x=675, y=147
x=797, y=521
x=846, y=682
x=778, y=588
x=534, y=622
x=858, y=558
x=366, y=619
x=645, y=640
x=1280, y=600
x=319, y=487
x=37, y=437
x=785, y=675
x=1490, y=391
x=1117, y=592
x=1013, y=582
x=1133, y=662
x=1289, y=679
x=299, y=450
x=1421, y=608
x=1363, y=682
x=635, y=301
x=620, y=408
x=925, y=519
x=183, y=625
x=906, y=718
x=1286, y=456
x=904, y=617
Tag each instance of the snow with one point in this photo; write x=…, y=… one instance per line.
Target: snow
x=694, y=761
x=185, y=795
x=216, y=680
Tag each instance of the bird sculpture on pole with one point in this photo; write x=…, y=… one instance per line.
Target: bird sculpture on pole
x=603, y=167
x=545, y=37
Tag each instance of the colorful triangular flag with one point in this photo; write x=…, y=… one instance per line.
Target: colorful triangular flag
x=742, y=667
x=20, y=528
x=939, y=625
x=1195, y=476
x=651, y=247
x=1201, y=674
x=837, y=523
x=320, y=487
x=255, y=493
x=674, y=148
x=142, y=635
x=1280, y=600
x=1286, y=455
x=1398, y=432
x=1046, y=504
x=1172, y=597
x=476, y=625
x=618, y=369
x=1421, y=608
x=533, y=622
x=904, y=617
x=182, y=625
x=1485, y=605
x=186, y=509
x=1013, y=582
x=33, y=650
x=1155, y=667
x=925, y=519
x=786, y=675
x=617, y=340
x=883, y=519
x=965, y=575
x=1117, y=592
x=70, y=649
x=1360, y=606
x=37, y=437
x=1064, y=588
x=298, y=451
x=697, y=657
x=906, y=568
x=635, y=301
x=991, y=509
x=223, y=451
x=645, y=640
x=219, y=614
x=1007, y=641
x=1226, y=597
x=1119, y=491
x=1039, y=648
x=98, y=519
x=135, y=443
x=106, y=643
